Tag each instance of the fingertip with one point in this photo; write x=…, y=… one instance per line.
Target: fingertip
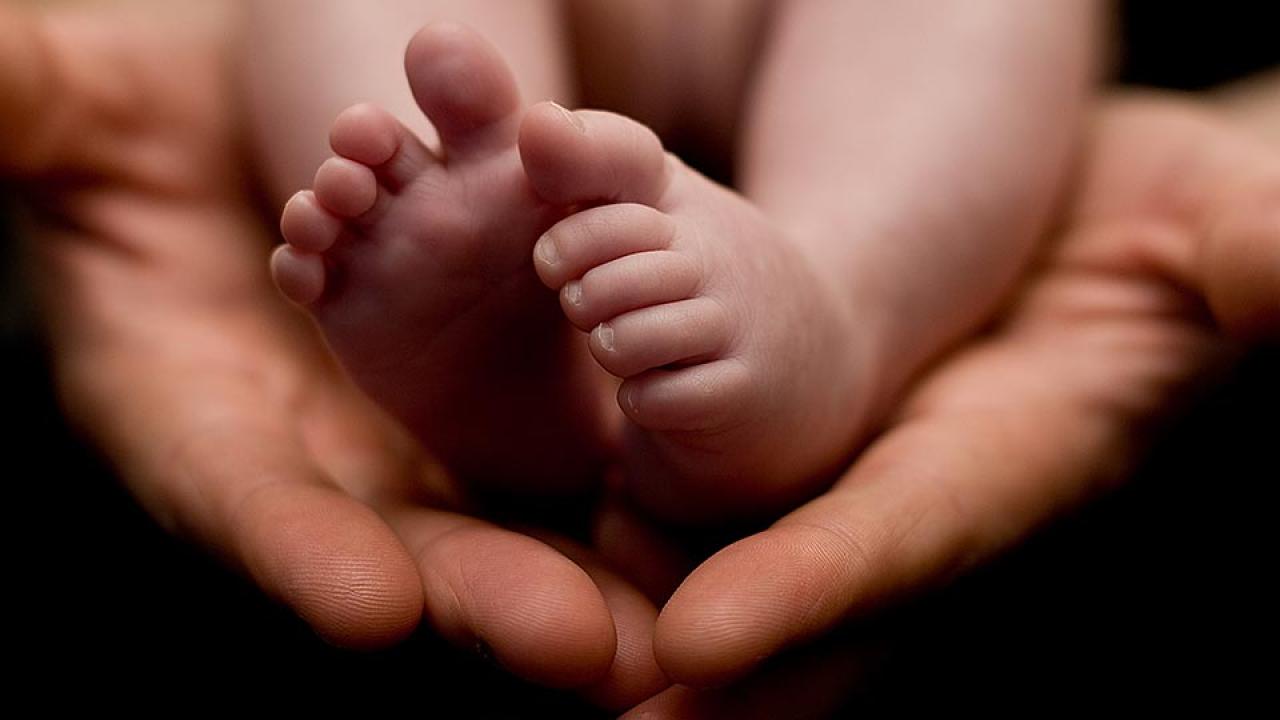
x=536, y=612
x=746, y=603
x=634, y=674
x=813, y=683
x=357, y=587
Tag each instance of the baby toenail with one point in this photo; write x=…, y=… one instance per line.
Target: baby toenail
x=571, y=117
x=604, y=337
x=546, y=250
x=573, y=293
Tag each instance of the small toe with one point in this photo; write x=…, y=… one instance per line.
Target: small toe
x=345, y=188
x=308, y=227
x=629, y=283
x=596, y=236
x=371, y=136
x=688, y=331
x=464, y=87
x=365, y=133
x=590, y=156
x=299, y=275
x=707, y=397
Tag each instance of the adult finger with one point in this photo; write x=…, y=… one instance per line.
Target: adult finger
x=815, y=684
x=209, y=461
x=930, y=499
x=1220, y=184
x=650, y=556
x=509, y=596
x=1024, y=425
x=634, y=675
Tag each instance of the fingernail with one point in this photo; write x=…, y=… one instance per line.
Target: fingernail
x=573, y=292
x=545, y=250
x=629, y=398
x=571, y=117
x=604, y=337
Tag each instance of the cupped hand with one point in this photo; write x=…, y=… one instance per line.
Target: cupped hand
x=1168, y=257
x=217, y=402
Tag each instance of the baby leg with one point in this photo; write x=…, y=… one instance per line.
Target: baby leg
x=914, y=151
x=308, y=60
x=902, y=174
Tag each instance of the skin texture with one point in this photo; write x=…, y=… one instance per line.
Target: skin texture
x=281, y=75
x=416, y=265
x=154, y=275
x=419, y=268
x=912, y=152
x=1178, y=212
x=757, y=349
x=726, y=338
x=513, y=367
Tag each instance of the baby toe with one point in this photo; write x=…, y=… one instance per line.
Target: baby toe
x=366, y=134
x=464, y=87
x=681, y=332
x=308, y=227
x=345, y=188
x=629, y=283
x=707, y=397
x=371, y=136
x=597, y=236
x=299, y=275
x=589, y=156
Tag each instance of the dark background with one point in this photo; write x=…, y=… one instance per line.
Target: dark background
x=1151, y=598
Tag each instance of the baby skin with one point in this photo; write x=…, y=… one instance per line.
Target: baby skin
x=743, y=378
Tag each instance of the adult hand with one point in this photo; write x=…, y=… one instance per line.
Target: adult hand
x=1170, y=253
x=217, y=402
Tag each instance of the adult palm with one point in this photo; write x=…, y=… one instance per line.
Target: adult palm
x=1167, y=257
x=229, y=421
x=218, y=403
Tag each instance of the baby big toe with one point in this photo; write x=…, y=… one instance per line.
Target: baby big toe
x=464, y=87
x=675, y=333
x=590, y=156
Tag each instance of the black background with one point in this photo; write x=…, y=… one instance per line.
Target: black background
x=1153, y=597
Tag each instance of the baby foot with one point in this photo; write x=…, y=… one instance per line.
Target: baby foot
x=417, y=266
x=744, y=374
